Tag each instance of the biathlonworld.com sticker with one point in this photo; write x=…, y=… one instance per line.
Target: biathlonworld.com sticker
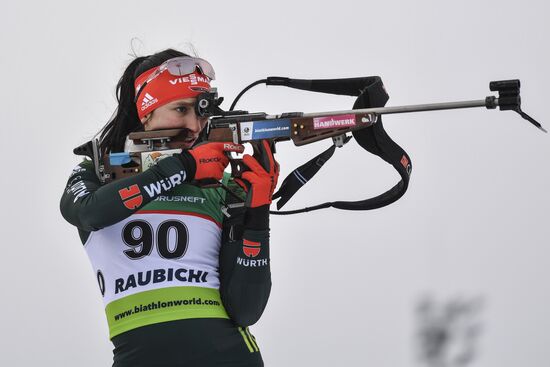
x=266, y=129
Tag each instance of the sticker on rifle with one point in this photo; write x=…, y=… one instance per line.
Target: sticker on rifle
x=333, y=122
x=265, y=129
x=149, y=159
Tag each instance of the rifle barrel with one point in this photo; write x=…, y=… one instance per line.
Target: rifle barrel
x=405, y=109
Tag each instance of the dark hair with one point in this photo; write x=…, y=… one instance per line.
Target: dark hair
x=125, y=119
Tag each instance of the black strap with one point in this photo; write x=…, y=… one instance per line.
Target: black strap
x=300, y=176
x=347, y=87
x=371, y=93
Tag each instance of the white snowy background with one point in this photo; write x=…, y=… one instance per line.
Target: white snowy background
x=473, y=225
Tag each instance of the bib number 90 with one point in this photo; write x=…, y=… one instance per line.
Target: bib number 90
x=171, y=238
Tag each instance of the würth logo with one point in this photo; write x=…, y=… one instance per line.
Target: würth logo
x=251, y=248
x=131, y=197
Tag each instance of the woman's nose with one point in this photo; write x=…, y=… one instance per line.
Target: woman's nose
x=195, y=125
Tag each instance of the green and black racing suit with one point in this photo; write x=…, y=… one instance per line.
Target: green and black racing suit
x=180, y=280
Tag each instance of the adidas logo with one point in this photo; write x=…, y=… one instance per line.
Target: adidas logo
x=147, y=101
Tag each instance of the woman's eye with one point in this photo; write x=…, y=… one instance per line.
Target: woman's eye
x=181, y=109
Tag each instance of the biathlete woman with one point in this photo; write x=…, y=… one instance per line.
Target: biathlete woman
x=181, y=281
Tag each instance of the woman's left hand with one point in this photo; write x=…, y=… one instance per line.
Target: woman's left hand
x=262, y=178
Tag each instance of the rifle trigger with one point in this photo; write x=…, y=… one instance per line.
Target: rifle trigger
x=235, y=132
x=237, y=167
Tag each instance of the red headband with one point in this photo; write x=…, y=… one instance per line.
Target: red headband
x=166, y=88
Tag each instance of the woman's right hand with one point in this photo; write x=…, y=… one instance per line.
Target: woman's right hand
x=211, y=159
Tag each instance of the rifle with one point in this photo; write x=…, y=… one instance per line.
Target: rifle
x=364, y=122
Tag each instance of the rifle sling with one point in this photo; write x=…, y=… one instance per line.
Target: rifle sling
x=373, y=139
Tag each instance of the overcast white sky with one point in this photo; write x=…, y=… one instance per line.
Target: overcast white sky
x=474, y=223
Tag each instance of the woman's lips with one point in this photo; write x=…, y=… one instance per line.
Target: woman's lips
x=188, y=142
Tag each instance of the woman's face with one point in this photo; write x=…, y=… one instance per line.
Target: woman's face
x=178, y=114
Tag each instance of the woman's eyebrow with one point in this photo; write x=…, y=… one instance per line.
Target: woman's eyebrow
x=187, y=104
